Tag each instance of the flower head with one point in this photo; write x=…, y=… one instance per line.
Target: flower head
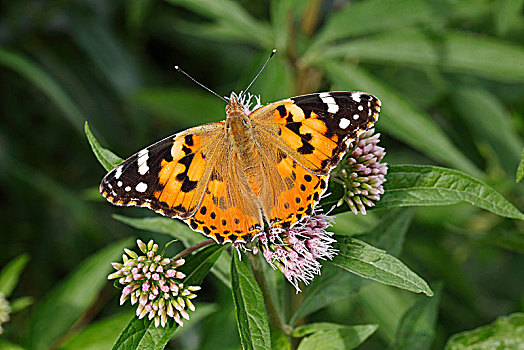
x=5, y=310
x=363, y=173
x=154, y=283
x=295, y=252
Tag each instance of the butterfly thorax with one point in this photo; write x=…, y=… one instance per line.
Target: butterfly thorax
x=239, y=131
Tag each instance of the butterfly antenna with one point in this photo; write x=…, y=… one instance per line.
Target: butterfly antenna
x=261, y=69
x=200, y=84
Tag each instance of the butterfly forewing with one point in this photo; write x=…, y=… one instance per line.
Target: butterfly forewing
x=316, y=129
x=169, y=176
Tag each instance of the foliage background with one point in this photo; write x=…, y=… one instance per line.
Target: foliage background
x=450, y=75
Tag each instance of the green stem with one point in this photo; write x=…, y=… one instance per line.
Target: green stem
x=193, y=248
x=271, y=309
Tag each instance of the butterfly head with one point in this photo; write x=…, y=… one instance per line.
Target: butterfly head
x=240, y=103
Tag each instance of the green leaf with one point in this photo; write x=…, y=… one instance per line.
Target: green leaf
x=414, y=185
x=490, y=121
x=506, y=332
x=38, y=77
x=7, y=345
x=507, y=15
x=233, y=15
x=176, y=104
x=389, y=233
x=21, y=303
x=454, y=52
x=333, y=336
x=384, y=305
x=142, y=334
x=108, y=159
x=400, y=119
x=99, y=335
x=182, y=232
x=361, y=18
x=11, y=273
x=72, y=297
x=520, y=169
x=369, y=262
x=203, y=311
x=281, y=17
x=417, y=327
x=249, y=304
x=332, y=285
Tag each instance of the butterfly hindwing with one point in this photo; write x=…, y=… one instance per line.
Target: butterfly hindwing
x=229, y=211
x=169, y=176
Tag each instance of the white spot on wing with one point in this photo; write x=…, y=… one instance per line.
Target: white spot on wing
x=330, y=101
x=141, y=187
x=119, y=183
x=127, y=188
x=356, y=116
x=143, y=156
x=118, y=172
x=360, y=108
x=356, y=96
x=344, y=123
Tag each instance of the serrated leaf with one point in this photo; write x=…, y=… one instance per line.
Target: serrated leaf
x=506, y=332
x=333, y=336
x=232, y=14
x=332, y=285
x=43, y=81
x=417, y=327
x=142, y=334
x=375, y=264
x=415, y=185
x=520, y=169
x=249, y=304
x=108, y=159
x=400, y=119
x=72, y=297
x=10, y=274
x=182, y=232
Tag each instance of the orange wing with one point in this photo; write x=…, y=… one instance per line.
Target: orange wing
x=317, y=129
x=168, y=177
x=301, y=140
x=229, y=211
x=290, y=191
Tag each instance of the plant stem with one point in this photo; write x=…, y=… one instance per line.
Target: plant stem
x=271, y=309
x=191, y=249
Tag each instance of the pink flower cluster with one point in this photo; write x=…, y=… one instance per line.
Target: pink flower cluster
x=154, y=283
x=295, y=252
x=363, y=173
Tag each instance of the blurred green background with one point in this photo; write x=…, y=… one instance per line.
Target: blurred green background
x=450, y=75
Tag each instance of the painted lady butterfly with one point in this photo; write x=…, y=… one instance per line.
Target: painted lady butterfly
x=226, y=179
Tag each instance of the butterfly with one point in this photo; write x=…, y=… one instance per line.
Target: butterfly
x=227, y=179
